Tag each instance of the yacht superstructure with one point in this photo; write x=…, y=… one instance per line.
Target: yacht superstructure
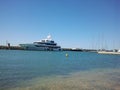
x=45, y=44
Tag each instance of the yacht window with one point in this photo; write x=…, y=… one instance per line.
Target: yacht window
x=43, y=40
x=52, y=41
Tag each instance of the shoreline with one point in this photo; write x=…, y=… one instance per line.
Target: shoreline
x=2, y=47
x=11, y=48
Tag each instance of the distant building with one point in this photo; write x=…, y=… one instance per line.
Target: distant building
x=119, y=50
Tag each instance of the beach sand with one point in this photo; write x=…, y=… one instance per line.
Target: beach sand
x=99, y=79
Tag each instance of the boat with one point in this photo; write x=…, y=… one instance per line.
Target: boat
x=43, y=45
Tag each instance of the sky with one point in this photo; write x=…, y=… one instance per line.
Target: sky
x=84, y=24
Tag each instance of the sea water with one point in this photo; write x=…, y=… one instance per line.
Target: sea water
x=52, y=70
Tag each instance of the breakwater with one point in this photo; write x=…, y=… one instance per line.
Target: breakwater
x=62, y=49
x=104, y=52
x=78, y=49
x=11, y=47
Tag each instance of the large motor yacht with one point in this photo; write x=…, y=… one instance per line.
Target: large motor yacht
x=45, y=44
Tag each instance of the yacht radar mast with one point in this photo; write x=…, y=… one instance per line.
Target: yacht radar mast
x=49, y=37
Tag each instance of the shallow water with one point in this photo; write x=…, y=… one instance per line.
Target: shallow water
x=98, y=79
x=39, y=70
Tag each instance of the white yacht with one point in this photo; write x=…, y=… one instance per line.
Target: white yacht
x=45, y=44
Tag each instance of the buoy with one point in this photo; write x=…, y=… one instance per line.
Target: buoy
x=66, y=55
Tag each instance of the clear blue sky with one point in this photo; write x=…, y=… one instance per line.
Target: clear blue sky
x=72, y=23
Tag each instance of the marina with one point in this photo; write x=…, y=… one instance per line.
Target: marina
x=83, y=52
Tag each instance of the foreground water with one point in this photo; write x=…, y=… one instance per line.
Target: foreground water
x=42, y=70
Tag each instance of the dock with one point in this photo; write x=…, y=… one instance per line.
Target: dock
x=104, y=52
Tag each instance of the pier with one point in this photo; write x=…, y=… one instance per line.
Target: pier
x=104, y=52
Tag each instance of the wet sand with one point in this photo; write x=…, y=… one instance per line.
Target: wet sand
x=99, y=79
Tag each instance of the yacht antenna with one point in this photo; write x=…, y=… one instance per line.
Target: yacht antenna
x=49, y=37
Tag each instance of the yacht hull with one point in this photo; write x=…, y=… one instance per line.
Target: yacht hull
x=40, y=47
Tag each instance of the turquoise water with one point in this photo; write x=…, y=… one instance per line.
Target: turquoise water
x=25, y=69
